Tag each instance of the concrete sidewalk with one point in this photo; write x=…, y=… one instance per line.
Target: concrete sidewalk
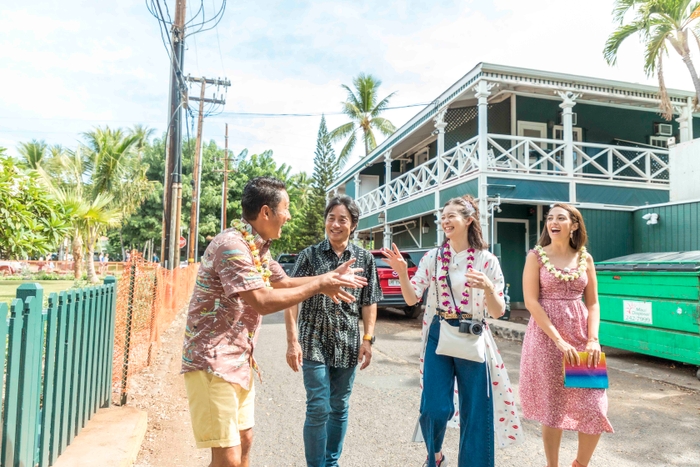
x=112, y=438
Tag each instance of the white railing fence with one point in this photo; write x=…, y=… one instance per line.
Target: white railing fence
x=623, y=163
x=539, y=157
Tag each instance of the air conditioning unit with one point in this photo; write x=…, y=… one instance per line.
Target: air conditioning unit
x=659, y=141
x=574, y=118
x=663, y=129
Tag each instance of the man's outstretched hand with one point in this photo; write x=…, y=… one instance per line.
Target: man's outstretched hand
x=343, y=276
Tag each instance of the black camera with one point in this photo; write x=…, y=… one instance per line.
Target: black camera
x=471, y=326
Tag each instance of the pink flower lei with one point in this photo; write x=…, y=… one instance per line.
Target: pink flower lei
x=442, y=280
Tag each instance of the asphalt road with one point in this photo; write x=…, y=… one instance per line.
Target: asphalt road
x=656, y=423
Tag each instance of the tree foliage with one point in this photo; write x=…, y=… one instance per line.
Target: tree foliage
x=34, y=222
x=100, y=183
x=660, y=23
x=363, y=108
x=325, y=172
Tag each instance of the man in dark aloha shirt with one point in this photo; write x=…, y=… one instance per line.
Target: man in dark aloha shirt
x=330, y=346
x=234, y=289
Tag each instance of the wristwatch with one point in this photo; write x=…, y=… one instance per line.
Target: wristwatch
x=369, y=338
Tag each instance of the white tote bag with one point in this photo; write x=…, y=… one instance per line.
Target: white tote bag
x=453, y=343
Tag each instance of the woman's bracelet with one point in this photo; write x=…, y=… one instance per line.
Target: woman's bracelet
x=593, y=339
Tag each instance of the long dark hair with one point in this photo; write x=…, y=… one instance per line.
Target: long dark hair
x=579, y=236
x=468, y=207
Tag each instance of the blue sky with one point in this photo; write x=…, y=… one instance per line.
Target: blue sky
x=71, y=65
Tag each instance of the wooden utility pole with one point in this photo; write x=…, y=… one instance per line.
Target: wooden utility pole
x=224, y=194
x=197, y=165
x=172, y=199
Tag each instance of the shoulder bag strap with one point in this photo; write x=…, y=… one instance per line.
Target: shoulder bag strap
x=447, y=277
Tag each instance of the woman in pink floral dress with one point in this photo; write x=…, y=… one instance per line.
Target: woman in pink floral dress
x=558, y=274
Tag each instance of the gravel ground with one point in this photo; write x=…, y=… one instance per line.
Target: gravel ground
x=656, y=423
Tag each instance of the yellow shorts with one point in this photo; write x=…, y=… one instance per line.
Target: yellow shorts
x=219, y=409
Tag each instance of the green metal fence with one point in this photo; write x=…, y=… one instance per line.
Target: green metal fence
x=57, y=369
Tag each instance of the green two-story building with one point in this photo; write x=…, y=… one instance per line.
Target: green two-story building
x=519, y=140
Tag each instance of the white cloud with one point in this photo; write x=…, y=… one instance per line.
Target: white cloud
x=71, y=65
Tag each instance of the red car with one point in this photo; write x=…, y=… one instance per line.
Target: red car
x=391, y=288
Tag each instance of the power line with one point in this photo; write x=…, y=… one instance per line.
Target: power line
x=284, y=115
x=218, y=43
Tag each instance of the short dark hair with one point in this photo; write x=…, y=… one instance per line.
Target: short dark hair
x=259, y=192
x=351, y=206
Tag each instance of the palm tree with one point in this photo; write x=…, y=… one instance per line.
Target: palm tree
x=143, y=136
x=102, y=183
x=33, y=152
x=363, y=110
x=660, y=23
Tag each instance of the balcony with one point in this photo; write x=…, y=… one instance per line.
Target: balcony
x=530, y=159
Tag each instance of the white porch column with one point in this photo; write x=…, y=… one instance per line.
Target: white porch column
x=440, y=125
x=685, y=120
x=569, y=99
x=483, y=91
x=357, y=185
x=387, y=177
x=386, y=241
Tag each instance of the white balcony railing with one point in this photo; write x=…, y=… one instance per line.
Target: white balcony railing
x=621, y=163
x=538, y=157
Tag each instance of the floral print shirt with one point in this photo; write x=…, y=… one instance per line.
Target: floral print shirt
x=221, y=327
x=506, y=423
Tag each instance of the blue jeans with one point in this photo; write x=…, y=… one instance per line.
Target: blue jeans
x=437, y=406
x=327, y=402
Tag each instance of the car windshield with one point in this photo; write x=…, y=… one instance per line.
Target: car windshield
x=381, y=263
x=287, y=259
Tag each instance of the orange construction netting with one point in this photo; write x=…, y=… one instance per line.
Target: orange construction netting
x=148, y=299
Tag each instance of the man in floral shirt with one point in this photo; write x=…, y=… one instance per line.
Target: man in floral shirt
x=234, y=289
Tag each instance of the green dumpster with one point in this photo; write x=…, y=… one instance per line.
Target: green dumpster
x=650, y=303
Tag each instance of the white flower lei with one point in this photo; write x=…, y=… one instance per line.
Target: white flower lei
x=564, y=276
x=263, y=267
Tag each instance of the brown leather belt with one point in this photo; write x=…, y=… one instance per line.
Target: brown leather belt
x=446, y=315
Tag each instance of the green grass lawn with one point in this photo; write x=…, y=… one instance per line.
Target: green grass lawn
x=8, y=288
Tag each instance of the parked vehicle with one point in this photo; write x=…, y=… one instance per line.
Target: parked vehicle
x=287, y=260
x=391, y=287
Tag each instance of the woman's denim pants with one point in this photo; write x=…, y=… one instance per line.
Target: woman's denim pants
x=476, y=440
x=327, y=402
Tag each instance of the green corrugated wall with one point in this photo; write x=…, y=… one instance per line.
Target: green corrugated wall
x=677, y=230
x=610, y=233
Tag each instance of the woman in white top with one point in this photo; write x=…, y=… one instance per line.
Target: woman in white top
x=463, y=281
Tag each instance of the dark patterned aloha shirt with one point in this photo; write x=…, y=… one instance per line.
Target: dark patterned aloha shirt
x=221, y=328
x=329, y=333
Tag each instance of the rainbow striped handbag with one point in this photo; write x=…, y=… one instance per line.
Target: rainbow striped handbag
x=581, y=376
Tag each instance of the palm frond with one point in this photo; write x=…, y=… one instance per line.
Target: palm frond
x=382, y=105
x=352, y=110
x=352, y=98
x=615, y=40
x=655, y=46
x=384, y=126
x=621, y=8
x=347, y=150
x=371, y=140
x=342, y=131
